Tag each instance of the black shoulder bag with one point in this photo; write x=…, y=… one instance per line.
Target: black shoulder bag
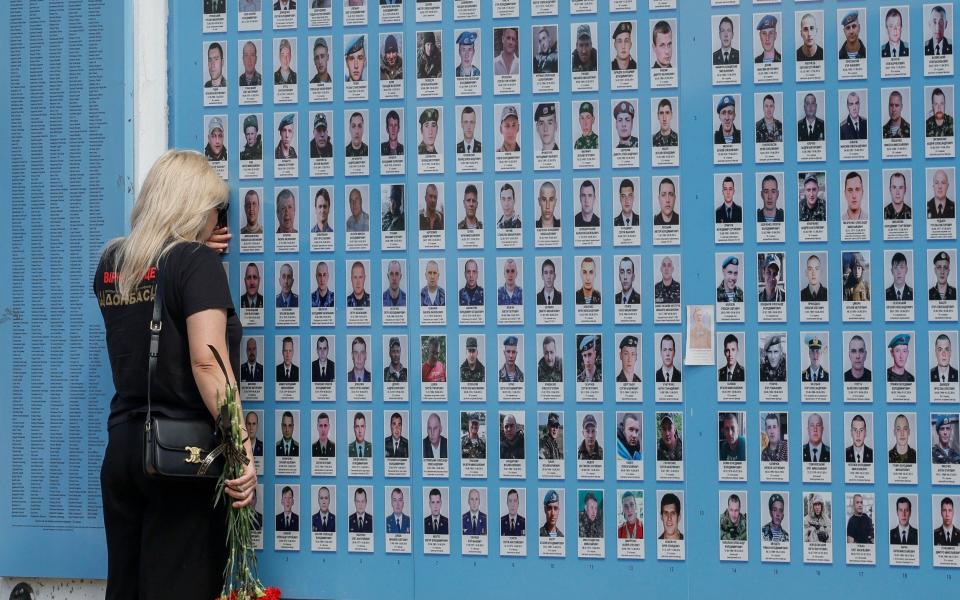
x=177, y=448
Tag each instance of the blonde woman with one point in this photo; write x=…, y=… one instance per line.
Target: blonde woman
x=165, y=539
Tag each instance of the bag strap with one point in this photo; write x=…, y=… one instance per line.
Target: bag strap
x=156, y=324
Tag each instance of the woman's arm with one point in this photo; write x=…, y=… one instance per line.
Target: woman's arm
x=204, y=329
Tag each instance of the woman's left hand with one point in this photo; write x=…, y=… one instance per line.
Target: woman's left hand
x=241, y=489
x=220, y=240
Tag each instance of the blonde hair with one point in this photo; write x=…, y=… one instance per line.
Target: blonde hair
x=173, y=206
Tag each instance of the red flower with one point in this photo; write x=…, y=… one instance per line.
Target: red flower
x=271, y=593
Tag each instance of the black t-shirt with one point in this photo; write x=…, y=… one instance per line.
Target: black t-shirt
x=194, y=280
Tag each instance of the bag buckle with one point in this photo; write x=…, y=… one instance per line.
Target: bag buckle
x=194, y=457
x=155, y=326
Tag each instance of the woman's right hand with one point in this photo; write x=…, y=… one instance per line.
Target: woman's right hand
x=241, y=489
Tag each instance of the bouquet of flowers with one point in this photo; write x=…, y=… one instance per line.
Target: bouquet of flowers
x=240, y=578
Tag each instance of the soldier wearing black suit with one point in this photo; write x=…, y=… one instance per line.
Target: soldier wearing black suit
x=288, y=522
x=807, y=132
x=942, y=47
x=439, y=525
x=287, y=446
x=735, y=214
x=252, y=373
x=948, y=211
x=850, y=457
x=428, y=452
x=902, y=50
x=324, y=374
x=809, y=296
x=542, y=298
x=905, y=294
x=519, y=526
x=360, y=523
x=904, y=533
x=823, y=457
x=733, y=57
x=947, y=534
x=284, y=377
x=318, y=449
x=321, y=526
x=737, y=374
x=952, y=375
x=462, y=147
x=909, y=537
x=396, y=448
x=849, y=131
x=291, y=448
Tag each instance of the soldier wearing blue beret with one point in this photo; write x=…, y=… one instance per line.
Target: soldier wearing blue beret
x=355, y=58
x=899, y=346
x=767, y=30
x=727, y=133
x=510, y=372
x=551, y=515
x=589, y=359
x=728, y=290
x=466, y=48
x=943, y=451
x=853, y=47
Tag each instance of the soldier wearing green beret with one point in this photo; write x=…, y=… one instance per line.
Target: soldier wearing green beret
x=429, y=127
x=588, y=140
x=622, y=44
x=285, y=147
x=253, y=147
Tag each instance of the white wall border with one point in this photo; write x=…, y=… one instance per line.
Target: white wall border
x=151, y=114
